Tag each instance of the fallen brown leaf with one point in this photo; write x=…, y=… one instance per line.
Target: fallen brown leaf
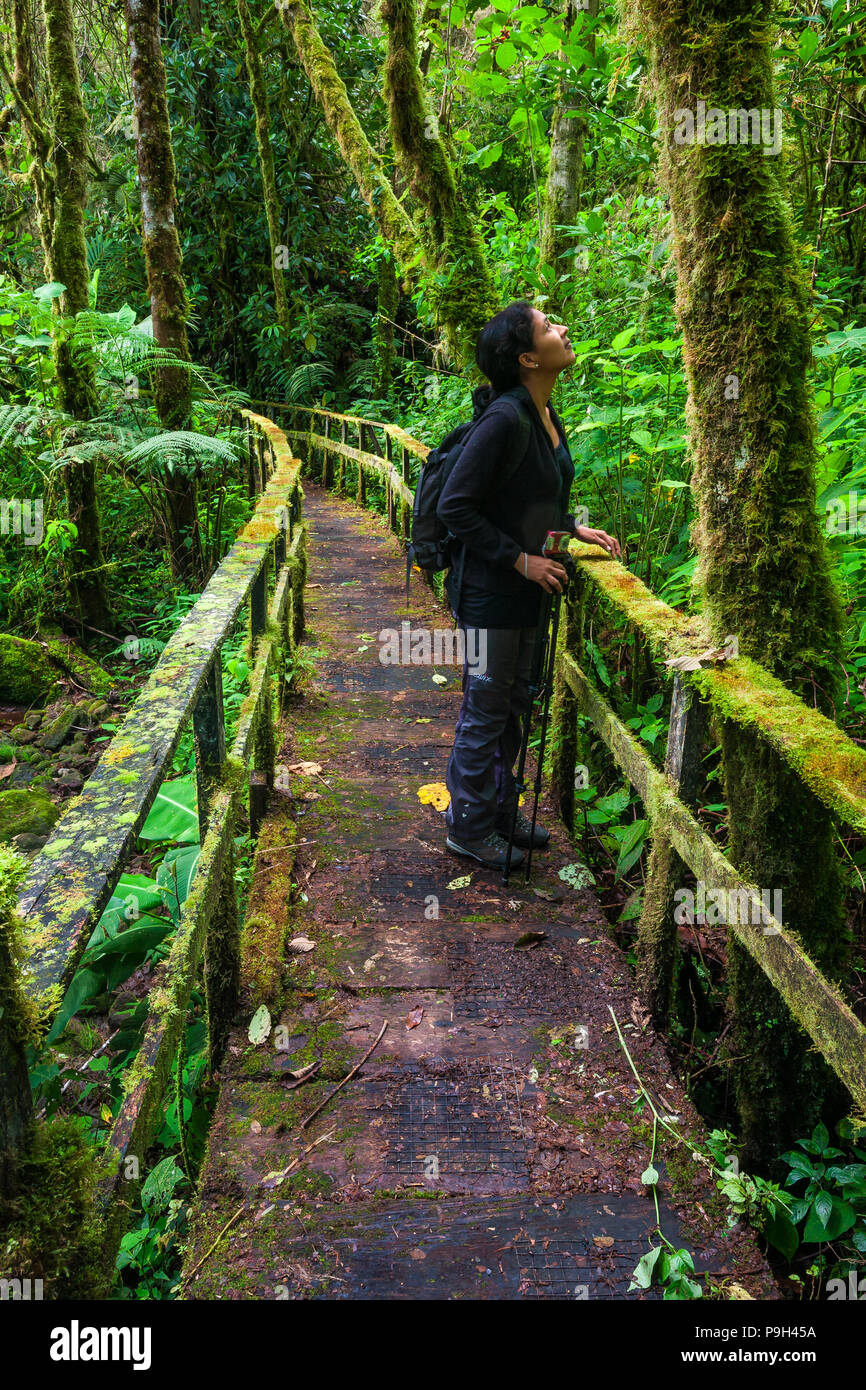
x=414, y=1017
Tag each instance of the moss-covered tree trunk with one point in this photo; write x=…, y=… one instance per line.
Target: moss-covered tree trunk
x=329, y=90
x=763, y=570
x=68, y=265
x=463, y=293
x=259, y=99
x=383, y=330
x=565, y=168
x=162, y=254
x=37, y=137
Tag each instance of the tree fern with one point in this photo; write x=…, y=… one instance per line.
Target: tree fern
x=169, y=450
x=307, y=382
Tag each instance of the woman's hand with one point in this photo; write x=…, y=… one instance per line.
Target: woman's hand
x=591, y=537
x=550, y=574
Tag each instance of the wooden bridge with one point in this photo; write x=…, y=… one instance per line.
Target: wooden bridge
x=429, y=1085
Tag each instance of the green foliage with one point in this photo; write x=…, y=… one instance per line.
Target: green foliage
x=830, y=1210
x=672, y=1270
x=50, y=1230
x=174, y=814
x=149, y=1254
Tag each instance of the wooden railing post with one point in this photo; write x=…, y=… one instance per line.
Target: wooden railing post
x=258, y=606
x=251, y=460
x=657, y=930
x=326, y=454
x=389, y=490
x=361, y=496
x=209, y=734
x=263, y=466
x=341, y=467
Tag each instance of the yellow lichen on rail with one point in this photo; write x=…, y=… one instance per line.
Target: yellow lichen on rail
x=830, y=764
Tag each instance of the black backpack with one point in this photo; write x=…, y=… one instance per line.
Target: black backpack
x=433, y=547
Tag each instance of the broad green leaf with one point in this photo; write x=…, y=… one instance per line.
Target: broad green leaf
x=622, y=339
x=643, y=1274
x=783, y=1235
x=506, y=55
x=136, y=941
x=175, y=875
x=84, y=985
x=489, y=155
x=820, y=1136
x=649, y=1176
x=51, y=291
x=160, y=1183
x=174, y=814
x=635, y=834
x=260, y=1026
x=839, y=1218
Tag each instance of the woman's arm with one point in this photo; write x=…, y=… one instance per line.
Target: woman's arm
x=595, y=537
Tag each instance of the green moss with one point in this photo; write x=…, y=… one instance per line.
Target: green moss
x=26, y=811
x=330, y=91
x=27, y=675
x=51, y=1231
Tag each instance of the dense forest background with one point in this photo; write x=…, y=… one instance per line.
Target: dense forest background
x=207, y=204
x=500, y=83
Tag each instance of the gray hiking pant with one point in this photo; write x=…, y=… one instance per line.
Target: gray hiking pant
x=487, y=737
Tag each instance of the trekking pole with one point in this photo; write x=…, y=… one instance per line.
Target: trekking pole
x=541, y=681
x=547, y=691
x=538, y=662
x=562, y=554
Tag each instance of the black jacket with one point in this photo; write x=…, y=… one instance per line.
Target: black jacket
x=499, y=520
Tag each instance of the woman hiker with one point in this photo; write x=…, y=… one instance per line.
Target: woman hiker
x=502, y=516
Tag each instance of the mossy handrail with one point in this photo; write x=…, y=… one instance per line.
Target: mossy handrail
x=71, y=879
x=829, y=763
x=399, y=493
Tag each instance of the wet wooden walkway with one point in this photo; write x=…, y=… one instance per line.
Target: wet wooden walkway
x=492, y=1144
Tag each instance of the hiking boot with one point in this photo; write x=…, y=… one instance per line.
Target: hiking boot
x=522, y=831
x=492, y=851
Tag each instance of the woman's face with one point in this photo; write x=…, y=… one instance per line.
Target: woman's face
x=551, y=347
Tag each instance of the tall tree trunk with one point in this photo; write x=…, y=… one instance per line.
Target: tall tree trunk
x=394, y=223
x=259, y=99
x=68, y=265
x=763, y=569
x=330, y=91
x=383, y=332
x=565, y=169
x=37, y=137
x=162, y=254
x=465, y=295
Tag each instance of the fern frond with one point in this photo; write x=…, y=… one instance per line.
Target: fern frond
x=359, y=374
x=308, y=381
x=179, y=447
x=19, y=422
